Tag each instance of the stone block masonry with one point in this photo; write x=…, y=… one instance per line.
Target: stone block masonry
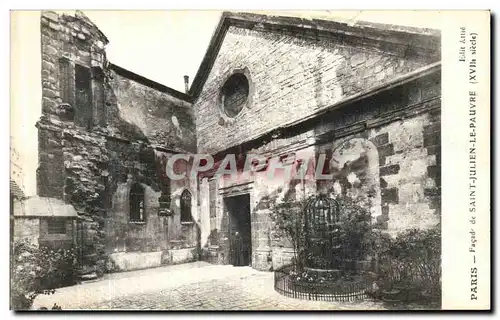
x=293, y=77
x=383, y=152
x=102, y=129
x=371, y=105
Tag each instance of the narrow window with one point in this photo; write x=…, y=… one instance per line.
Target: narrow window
x=137, y=210
x=83, y=97
x=186, y=207
x=212, y=195
x=98, y=94
x=165, y=187
x=165, y=196
x=164, y=180
x=67, y=81
x=56, y=226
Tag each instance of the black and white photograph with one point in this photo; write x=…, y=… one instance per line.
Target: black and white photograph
x=231, y=160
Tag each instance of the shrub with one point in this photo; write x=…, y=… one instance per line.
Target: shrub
x=342, y=249
x=354, y=230
x=38, y=271
x=288, y=221
x=413, y=261
x=344, y=243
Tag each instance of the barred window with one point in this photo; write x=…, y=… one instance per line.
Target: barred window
x=136, y=199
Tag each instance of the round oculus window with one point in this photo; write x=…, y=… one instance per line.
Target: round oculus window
x=235, y=94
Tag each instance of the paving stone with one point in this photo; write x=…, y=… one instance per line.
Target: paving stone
x=204, y=287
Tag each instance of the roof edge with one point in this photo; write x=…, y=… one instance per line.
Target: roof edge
x=394, y=34
x=419, y=73
x=150, y=83
x=209, y=57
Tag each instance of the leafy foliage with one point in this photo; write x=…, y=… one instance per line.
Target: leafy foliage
x=353, y=231
x=413, y=260
x=288, y=220
x=38, y=271
x=346, y=243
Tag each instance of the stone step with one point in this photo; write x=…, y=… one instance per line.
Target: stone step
x=89, y=277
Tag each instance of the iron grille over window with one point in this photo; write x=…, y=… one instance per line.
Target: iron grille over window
x=56, y=226
x=137, y=210
x=186, y=207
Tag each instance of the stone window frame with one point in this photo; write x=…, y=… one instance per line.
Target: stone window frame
x=224, y=117
x=136, y=197
x=186, y=210
x=87, y=115
x=66, y=81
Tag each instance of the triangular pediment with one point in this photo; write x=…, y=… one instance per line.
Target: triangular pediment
x=420, y=43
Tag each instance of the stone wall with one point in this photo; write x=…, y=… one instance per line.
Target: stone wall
x=64, y=240
x=103, y=128
x=27, y=229
x=383, y=151
x=291, y=77
x=156, y=233
x=143, y=107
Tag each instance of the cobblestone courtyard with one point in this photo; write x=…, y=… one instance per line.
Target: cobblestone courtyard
x=193, y=286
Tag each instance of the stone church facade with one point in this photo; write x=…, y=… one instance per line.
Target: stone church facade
x=367, y=96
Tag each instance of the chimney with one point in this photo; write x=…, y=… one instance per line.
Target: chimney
x=186, y=84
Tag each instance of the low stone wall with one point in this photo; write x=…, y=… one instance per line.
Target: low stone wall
x=124, y=261
x=179, y=256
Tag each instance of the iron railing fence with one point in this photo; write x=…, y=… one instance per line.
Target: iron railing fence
x=287, y=284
